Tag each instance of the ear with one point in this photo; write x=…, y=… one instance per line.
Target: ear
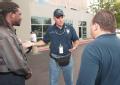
x=96, y=27
x=12, y=15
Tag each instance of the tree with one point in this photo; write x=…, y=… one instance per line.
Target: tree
x=112, y=6
x=117, y=13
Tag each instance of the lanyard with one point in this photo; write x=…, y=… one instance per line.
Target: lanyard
x=60, y=33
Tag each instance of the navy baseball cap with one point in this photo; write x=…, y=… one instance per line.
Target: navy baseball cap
x=58, y=13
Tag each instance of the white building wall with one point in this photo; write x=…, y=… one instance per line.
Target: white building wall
x=75, y=15
x=32, y=8
x=80, y=16
x=77, y=4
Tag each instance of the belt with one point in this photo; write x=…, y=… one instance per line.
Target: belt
x=59, y=56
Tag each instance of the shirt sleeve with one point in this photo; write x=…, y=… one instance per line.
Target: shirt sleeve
x=89, y=67
x=13, y=57
x=46, y=37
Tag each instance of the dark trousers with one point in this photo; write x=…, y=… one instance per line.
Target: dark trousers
x=11, y=79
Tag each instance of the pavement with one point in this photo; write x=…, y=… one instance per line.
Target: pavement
x=39, y=65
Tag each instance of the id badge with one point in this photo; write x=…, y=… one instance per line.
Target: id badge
x=61, y=49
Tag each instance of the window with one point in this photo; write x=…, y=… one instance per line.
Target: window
x=40, y=25
x=69, y=22
x=82, y=25
x=36, y=20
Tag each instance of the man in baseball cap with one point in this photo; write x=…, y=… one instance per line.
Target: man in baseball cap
x=63, y=41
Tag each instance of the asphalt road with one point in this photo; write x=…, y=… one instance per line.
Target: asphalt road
x=39, y=66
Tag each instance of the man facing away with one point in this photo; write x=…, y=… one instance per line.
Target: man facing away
x=13, y=65
x=100, y=64
x=63, y=40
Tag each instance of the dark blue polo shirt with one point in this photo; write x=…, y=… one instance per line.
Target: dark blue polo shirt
x=100, y=64
x=57, y=36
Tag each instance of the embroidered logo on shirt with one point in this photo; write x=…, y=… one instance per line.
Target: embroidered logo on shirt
x=68, y=31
